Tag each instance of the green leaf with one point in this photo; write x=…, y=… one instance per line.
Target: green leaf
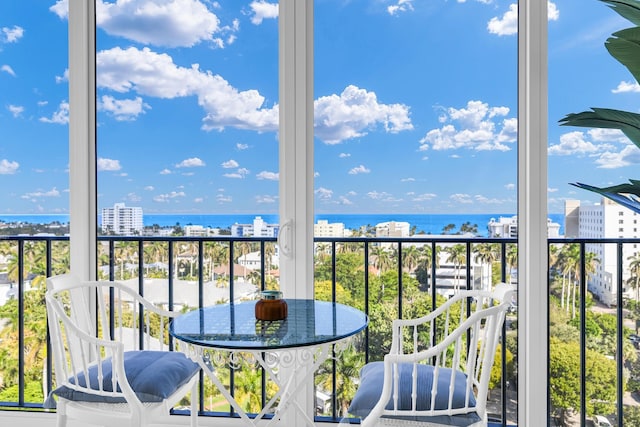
x=628, y=123
x=628, y=9
x=625, y=47
x=627, y=195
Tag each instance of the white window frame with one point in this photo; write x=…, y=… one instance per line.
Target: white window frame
x=296, y=171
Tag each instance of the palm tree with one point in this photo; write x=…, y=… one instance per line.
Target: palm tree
x=410, y=258
x=245, y=248
x=125, y=252
x=347, y=372
x=634, y=270
x=487, y=253
x=511, y=259
x=457, y=256
x=269, y=252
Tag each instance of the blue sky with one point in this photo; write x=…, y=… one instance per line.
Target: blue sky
x=415, y=105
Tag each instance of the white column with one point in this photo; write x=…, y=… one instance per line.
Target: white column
x=532, y=213
x=296, y=148
x=82, y=139
x=296, y=168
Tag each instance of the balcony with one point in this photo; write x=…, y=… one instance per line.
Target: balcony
x=591, y=344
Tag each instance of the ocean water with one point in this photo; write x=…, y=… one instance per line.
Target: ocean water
x=427, y=223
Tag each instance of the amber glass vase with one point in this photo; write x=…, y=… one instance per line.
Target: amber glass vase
x=271, y=306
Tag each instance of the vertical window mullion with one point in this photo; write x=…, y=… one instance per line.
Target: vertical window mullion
x=82, y=138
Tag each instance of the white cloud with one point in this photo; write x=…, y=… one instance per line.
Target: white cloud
x=172, y=23
x=355, y=110
x=624, y=87
x=461, y=198
x=133, y=197
x=41, y=193
x=221, y=198
x=337, y=117
x=507, y=25
x=400, y=6
x=167, y=197
x=60, y=117
x=474, y=127
x=152, y=74
x=149, y=188
x=358, y=170
x=425, y=197
x=7, y=69
x=378, y=195
x=263, y=10
x=239, y=174
x=573, y=143
x=604, y=150
x=408, y=180
x=11, y=35
x=323, y=193
x=123, y=109
x=8, y=167
x=241, y=147
x=510, y=186
x=165, y=172
x=344, y=201
x=608, y=135
x=630, y=155
x=198, y=200
x=344, y=155
x=192, y=162
x=230, y=164
x=108, y=165
x=64, y=77
x=16, y=110
x=478, y=198
x=270, y=176
x=266, y=199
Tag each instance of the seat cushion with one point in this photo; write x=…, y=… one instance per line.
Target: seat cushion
x=372, y=378
x=153, y=376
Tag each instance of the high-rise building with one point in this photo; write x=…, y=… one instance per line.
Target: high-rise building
x=604, y=220
x=121, y=219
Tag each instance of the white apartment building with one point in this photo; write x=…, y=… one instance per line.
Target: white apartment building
x=325, y=229
x=393, y=229
x=604, y=220
x=508, y=227
x=259, y=228
x=121, y=219
x=200, y=231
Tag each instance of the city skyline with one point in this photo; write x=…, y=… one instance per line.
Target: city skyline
x=415, y=105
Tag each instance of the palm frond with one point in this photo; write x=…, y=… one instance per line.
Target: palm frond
x=624, y=46
x=626, y=195
x=628, y=9
x=628, y=123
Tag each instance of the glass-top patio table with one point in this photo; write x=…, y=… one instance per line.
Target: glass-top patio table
x=227, y=334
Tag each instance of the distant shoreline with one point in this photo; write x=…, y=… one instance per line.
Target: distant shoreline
x=426, y=223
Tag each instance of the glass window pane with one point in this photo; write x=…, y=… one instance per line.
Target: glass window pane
x=34, y=158
x=415, y=136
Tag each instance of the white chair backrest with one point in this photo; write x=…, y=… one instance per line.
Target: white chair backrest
x=460, y=336
x=80, y=300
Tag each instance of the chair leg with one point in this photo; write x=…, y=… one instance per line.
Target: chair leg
x=194, y=405
x=61, y=414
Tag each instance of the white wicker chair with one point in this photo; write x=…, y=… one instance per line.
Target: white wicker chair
x=122, y=349
x=423, y=382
